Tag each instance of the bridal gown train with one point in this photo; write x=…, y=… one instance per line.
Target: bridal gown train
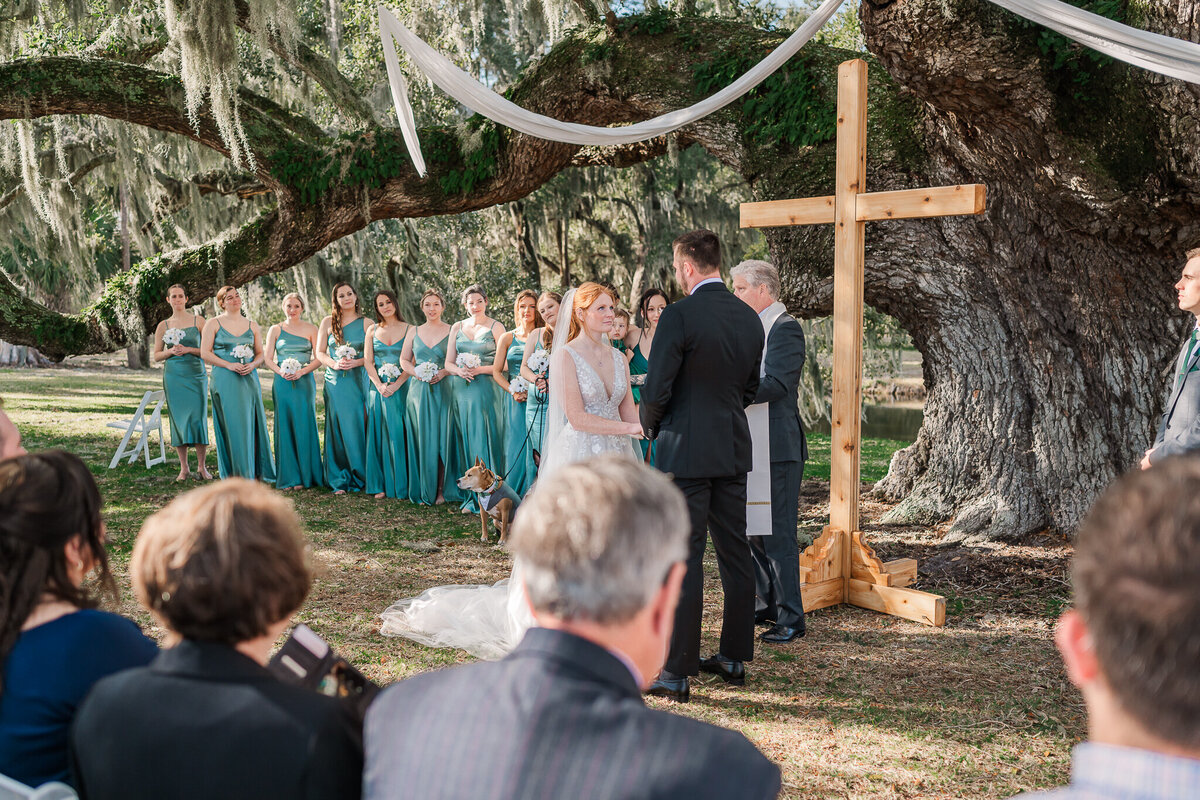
x=488, y=621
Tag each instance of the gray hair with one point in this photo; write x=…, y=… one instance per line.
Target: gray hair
x=596, y=539
x=759, y=273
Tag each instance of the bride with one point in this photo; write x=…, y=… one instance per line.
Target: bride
x=590, y=413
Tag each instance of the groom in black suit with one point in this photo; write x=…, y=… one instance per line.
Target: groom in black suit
x=703, y=373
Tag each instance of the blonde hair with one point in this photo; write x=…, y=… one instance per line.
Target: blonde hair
x=222, y=563
x=585, y=296
x=530, y=294
x=295, y=296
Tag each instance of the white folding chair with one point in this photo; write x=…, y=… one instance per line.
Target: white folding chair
x=15, y=790
x=142, y=425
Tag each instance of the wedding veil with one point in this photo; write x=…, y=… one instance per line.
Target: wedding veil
x=556, y=415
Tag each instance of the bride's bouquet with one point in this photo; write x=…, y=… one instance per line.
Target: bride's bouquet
x=539, y=362
x=243, y=353
x=345, y=351
x=426, y=371
x=518, y=386
x=468, y=361
x=389, y=373
x=173, y=336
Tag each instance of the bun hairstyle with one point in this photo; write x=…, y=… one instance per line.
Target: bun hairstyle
x=474, y=288
x=538, y=322
x=221, y=295
x=395, y=304
x=433, y=293
x=644, y=302
x=585, y=296
x=336, y=314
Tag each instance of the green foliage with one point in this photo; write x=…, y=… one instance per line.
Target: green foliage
x=470, y=151
x=1078, y=66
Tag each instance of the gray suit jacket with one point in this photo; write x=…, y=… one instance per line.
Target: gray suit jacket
x=559, y=717
x=780, y=386
x=1179, y=430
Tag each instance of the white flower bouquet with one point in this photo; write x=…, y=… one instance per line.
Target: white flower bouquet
x=243, y=353
x=173, y=336
x=290, y=366
x=346, y=352
x=539, y=362
x=389, y=372
x=426, y=371
x=518, y=386
x=468, y=361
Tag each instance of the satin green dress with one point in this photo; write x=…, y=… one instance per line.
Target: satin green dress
x=297, y=448
x=640, y=366
x=239, y=420
x=477, y=416
x=517, y=454
x=387, y=459
x=535, y=421
x=428, y=430
x=185, y=382
x=346, y=415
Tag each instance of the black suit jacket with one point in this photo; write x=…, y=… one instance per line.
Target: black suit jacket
x=703, y=373
x=780, y=386
x=204, y=721
x=559, y=717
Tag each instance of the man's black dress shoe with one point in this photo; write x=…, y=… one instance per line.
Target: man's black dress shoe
x=781, y=634
x=732, y=672
x=670, y=687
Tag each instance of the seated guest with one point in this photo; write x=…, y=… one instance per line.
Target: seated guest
x=53, y=643
x=1132, y=642
x=10, y=437
x=223, y=568
x=600, y=546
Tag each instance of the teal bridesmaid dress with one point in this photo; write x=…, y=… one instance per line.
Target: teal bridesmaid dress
x=185, y=381
x=427, y=429
x=640, y=366
x=297, y=448
x=535, y=421
x=346, y=416
x=517, y=454
x=387, y=459
x=477, y=416
x=239, y=420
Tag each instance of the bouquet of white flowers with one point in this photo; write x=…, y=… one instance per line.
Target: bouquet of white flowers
x=290, y=366
x=389, y=372
x=243, y=353
x=173, y=336
x=426, y=371
x=518, y=386
x=345, y=351
x=539, y=362
x=468, y=361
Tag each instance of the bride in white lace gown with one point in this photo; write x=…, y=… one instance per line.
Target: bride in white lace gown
x=590, y=413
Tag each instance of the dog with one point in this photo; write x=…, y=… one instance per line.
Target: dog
x=496, y=498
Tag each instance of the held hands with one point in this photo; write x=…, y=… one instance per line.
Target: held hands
x=541, y=384
x=243, y=369
x=178, y=350
x=1145, y=462
x=345, y=363
x=441, y=373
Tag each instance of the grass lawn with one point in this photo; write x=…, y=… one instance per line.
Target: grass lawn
x=864, y=706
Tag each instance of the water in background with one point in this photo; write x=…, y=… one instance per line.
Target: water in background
x=899, y=421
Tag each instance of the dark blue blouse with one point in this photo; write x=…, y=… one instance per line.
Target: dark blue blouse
x=46, y=676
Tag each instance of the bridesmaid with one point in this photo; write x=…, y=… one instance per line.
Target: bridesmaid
x=387, y=461
x=476, y=410
x=511, y=353
x=239, y=421
x=427, y=407
x=639, y=340
x=297, y=448
x=345, y=392
x=535, y=405
x=185, y=381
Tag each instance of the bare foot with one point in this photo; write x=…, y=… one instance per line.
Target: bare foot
x=340, y=491
x=206, y=475
x=379, y=496
x=440, y=501
x=182, y=476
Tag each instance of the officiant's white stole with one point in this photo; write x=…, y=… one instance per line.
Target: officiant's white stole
x=758, y=483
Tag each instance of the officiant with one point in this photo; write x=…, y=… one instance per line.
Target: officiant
x=777, y=556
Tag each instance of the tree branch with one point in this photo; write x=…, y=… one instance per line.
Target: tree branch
x=98, y=161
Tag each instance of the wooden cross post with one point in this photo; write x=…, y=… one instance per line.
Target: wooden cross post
x=840, y=567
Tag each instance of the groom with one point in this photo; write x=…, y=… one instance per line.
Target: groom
x=703, y=373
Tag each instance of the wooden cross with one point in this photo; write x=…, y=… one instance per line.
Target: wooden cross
x=840, y=567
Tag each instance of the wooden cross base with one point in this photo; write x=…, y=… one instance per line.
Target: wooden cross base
x=868, y=583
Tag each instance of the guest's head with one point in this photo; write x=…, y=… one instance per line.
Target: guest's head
x=620, y=323
x=177, y=297
x=474, y=300
x=756, y=283
x=525, y=313
x=51, y=537
x=1132, y=642
x=697, y=258
x=229, y=300
x=601, y=547
x=293, y=306
x=592, y=311
x=651, y=305
x=10, y=437
x=433, y=305
x=1188, y=287
x=225, y=563
x=547, y=306
x=387, y=307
